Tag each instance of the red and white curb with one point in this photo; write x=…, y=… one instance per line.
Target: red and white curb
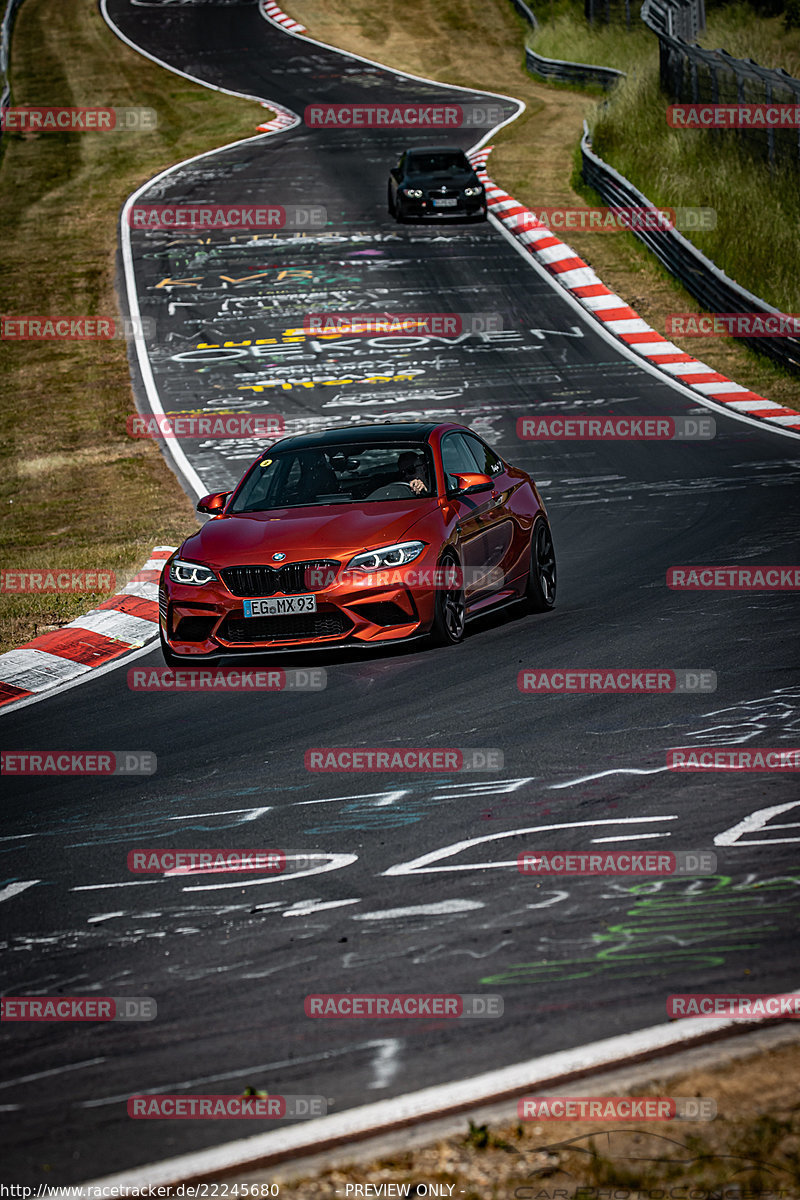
x=616, y=315
x=285, y=118
x=276, y=14
x=120, y=624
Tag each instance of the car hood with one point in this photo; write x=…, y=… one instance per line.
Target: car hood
x=301, y=533
x=443, y=179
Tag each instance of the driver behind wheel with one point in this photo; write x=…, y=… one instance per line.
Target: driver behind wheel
x=413, y=471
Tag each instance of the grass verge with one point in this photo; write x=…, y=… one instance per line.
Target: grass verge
x=76, y=491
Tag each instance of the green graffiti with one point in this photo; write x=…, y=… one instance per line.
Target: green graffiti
x=673, y=923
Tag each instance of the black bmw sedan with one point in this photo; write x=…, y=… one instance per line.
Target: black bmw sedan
x=435, y=181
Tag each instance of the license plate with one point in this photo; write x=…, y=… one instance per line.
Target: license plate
x=445, y=203
x=278, y=606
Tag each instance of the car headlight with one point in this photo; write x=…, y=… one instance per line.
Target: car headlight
x=388, y=556
x=414, y=193
x=473, y=191
x=189, y=572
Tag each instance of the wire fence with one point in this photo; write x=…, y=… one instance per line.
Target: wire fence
x=5, y=52
x=676, y=18
x=690, y=74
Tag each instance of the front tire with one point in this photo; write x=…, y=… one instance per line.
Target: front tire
x=172, y=660
x=540, y=590
x=450, y=610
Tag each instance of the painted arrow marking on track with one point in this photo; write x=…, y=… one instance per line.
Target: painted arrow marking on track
x=419, y=866
x=757, y=822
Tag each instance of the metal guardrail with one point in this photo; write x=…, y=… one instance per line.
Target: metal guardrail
x=555, y=70
x=698, y=274
x=526, y=13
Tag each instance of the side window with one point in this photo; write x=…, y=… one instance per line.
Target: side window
x=488, y=462
x=456, y=457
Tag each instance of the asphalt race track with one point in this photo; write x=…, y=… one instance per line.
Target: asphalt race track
x=229, y=960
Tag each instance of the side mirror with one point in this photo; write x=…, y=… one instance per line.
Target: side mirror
x=469, y=483
x=214, y=502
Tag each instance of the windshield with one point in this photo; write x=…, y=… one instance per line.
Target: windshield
x=345, y=474
x=451, y=162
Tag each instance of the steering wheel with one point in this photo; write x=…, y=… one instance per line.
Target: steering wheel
x=390, y=491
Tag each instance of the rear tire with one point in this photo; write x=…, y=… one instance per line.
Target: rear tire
x=540, y=590
x=450, y=609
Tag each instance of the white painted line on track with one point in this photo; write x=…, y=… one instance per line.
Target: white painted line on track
x=438, y=909
x=419, y=866
x=442, y=1100
x=78, y=1066
x=14, y=889
x=603, y=774
x=376, y=1045
x=630, y=837
x=756, y=822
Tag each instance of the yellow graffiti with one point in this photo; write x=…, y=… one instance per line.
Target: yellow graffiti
x=287, y=385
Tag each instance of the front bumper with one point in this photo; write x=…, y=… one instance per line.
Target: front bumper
x=466, y=206
x=208, y=621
